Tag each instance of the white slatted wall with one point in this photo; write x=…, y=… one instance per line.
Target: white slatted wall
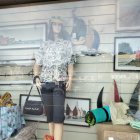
x=90, y=74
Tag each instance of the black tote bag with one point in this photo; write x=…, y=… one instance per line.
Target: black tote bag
x=33, y=107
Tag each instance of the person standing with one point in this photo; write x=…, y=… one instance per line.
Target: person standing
x=54, y=64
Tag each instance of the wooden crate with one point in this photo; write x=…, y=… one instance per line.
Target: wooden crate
x=115, y=135
x=107, y=131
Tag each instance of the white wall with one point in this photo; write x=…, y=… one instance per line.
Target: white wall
x=90, y=74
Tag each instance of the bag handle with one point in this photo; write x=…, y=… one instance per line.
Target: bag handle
x=29, y=94
x=39, y=95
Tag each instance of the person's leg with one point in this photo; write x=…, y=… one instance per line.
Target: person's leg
x=51, y=128
x=58, y=131
x=47, y=98
x=58, y=112
x=51, y=132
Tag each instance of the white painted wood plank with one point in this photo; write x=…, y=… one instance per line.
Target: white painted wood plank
x=81, y=136
x=17, y=77
x=13, y=57
x=103, y=58
x=16, y=82
x=17, y=63
x=105, y=28
x=106, y=77
x=100, y=27
x=58, y=6
x=99, y=19
x=107, y=97
x=14, y=70
x=67, y=128
x=108, y=48
x=78, y=89
x=65, y=13
x=107, y=38
x=108, y=67
x=74, y=135
x=19, y=46
x=17, y=52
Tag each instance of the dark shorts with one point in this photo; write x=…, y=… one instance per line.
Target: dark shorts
x=53, y=97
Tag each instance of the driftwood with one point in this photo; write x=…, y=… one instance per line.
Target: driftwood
x=26, y=133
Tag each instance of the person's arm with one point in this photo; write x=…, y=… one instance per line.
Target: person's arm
x=36, y=70
x=70, y=76
x=38, y=63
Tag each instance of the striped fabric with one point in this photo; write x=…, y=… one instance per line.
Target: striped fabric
x=119, y=113
x=134, y=103
x=135, y=124
x=98, y=115
x=10, y=120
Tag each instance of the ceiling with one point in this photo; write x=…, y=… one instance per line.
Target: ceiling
x=13, y=3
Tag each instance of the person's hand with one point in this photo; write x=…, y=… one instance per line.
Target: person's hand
x=79, y=41
x=68, y=85
x=36, y=81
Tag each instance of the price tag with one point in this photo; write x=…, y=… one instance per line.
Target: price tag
x=110, y=138
x=139, y=98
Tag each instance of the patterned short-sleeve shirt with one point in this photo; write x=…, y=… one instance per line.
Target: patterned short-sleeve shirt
x=54, y=57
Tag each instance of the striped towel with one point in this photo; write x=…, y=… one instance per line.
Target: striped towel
x=135, y=124
x=98, y=115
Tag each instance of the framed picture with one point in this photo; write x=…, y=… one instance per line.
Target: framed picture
x=127, y=53
x=18, y=43
x=40, y=118
x=75, y=111
x=128, y=17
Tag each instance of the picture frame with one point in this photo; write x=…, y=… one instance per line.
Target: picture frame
x=75, y=111
x=127, y=53
x=127, y=15
x=25, y=44
x=72, y=117
x=38, y=118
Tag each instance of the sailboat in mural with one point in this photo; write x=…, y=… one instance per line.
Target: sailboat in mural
x=67, y=110
x=75, y=113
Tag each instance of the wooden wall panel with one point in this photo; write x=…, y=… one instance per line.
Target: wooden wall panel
x=90, y=73
x=94, y=19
